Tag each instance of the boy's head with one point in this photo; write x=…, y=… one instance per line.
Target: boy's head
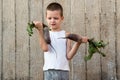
x=55, y=6
x=54, y=16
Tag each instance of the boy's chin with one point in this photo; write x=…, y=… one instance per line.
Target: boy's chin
x=53, y=27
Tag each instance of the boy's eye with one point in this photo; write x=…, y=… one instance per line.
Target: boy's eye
x=56, y=18
x=49, y=18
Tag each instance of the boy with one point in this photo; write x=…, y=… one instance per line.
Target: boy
x=56, y=68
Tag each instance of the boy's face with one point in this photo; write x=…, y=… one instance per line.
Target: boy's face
x=54, y=19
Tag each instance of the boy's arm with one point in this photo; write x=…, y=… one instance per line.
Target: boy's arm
x=43, y=44
x=72, y=51
x=39, y=27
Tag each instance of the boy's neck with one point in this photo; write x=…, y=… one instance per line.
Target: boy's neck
x=56, y=30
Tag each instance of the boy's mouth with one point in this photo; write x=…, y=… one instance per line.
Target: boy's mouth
x=53, y=24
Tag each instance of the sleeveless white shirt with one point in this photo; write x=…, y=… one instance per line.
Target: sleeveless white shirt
x=55, y=58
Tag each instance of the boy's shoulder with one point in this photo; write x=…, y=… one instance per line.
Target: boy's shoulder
x=67, y=33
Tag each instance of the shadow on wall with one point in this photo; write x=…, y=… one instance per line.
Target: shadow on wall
x=109, y=76
x=102, y=76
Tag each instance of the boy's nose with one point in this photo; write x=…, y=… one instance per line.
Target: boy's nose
x=52, y=20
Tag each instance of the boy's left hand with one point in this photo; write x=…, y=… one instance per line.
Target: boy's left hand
x=84, y=39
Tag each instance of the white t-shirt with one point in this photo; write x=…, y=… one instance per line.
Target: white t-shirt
x=55, y=58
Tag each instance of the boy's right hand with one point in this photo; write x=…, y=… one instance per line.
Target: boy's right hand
x=38, y=25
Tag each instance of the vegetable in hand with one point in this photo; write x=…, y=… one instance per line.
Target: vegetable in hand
x=73, y=37
x=29, y=28
x=45, y=33
x=94, y=47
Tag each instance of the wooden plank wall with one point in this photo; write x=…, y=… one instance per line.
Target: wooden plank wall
x=78, y=66
x=118, y=38
x=21, y=57
x=8, y=39
x=22, y=40
x=93, y=30
x=36, y=56
x=108, y=34
x=0, y=38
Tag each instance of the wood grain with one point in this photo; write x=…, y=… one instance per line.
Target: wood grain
x=36, y=54
x=93, y=31
x=0, y=39
x=78, y=26
x=118, y=38
x=22, y=40
x=8, y=39
x=108, y=35
x=21, y=55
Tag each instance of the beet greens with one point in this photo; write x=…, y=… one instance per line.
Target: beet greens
x=94, y=47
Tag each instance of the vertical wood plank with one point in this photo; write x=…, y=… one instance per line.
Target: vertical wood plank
x=108, y=35
x=22, y=40
x=118, y=38
x=36, y=54
x=93, y=30
x=0, y=38
x=8, y=40
x=78, y=27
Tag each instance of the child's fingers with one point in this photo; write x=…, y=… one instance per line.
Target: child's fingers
x=38, y=25
x=84, y=39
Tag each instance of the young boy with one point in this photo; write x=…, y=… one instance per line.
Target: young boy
x=56, y=65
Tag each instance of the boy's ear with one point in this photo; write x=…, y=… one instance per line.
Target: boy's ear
x=62, y=17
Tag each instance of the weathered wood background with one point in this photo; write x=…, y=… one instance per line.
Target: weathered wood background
x=21, y=57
